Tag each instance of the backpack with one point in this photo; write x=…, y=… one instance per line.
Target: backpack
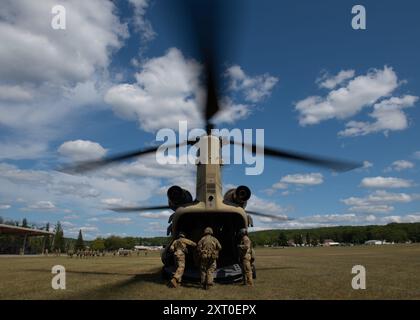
x=208, y=249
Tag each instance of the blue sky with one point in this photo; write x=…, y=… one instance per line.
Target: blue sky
x=297, y=69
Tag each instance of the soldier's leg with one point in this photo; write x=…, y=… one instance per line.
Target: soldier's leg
x=248, y=272
x=243, y=262
x=203, y=273
x=180, y=269
x=210, y=272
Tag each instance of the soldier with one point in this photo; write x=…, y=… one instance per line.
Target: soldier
x=179, y=248
x=245, y=254
x=208, y=250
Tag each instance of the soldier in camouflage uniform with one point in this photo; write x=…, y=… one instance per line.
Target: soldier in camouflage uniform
x=208, y=250
x=245, y=254
x=179, y=248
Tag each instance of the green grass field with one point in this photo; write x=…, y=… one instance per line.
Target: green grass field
x=392, y=272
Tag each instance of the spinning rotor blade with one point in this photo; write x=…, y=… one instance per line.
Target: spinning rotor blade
x=281, y=218
x=335, y=164
x=134, y=209
x=208, y=30
x=85, y=166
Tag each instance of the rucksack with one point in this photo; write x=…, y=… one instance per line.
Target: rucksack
x=208, y=249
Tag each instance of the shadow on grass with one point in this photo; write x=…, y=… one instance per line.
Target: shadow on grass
x=108, y=291
x=100, y=273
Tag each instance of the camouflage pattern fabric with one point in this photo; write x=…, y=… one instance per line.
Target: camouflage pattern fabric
x=208, y=249
x=179, y=248
x=246, y=256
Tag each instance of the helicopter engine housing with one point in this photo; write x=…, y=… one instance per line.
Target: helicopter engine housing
x=239, y=196
x=178, y=196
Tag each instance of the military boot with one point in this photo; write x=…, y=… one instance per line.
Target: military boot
x=173, y=283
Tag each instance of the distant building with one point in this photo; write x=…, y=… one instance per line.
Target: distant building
x=142, y=248
x=374, y=242
x=330, y=243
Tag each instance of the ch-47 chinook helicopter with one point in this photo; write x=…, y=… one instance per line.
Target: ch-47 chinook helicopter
x=227, y=213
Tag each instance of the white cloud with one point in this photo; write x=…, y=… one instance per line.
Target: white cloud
x=378, y=201
x=76, y=187
x=379, y=196
x=348, y=100
x=366, y=166
x=380, y=208
x=417, y=155
x=400, y=165
x=255, y=89
x=140, y=22
x=147, y=166
x=371, y=90
x=388, y=116
x=156, y=214
x=46, y=75
x=14, y=93
x=5, y=206
x=167, y=90
x=156, y=227
x=88, y=229
x=117, y=220
x=328, y=220
x=258, y=204
x=182, y=175
x=385, y=182
x=330, y=82
x=42, y=205
x=67, y=224
x=231, y=112
x=280, y=185
x=72, y=217
x=22, y=150
x=82, y=150
x=37, y=53
x=80, y=193
x=114, y=202
x=300, y=179
x=409, y=218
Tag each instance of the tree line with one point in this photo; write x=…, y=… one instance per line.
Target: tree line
x=393, y=232
x=12, y=244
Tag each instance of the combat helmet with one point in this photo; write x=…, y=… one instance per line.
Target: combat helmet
x=208, y=230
